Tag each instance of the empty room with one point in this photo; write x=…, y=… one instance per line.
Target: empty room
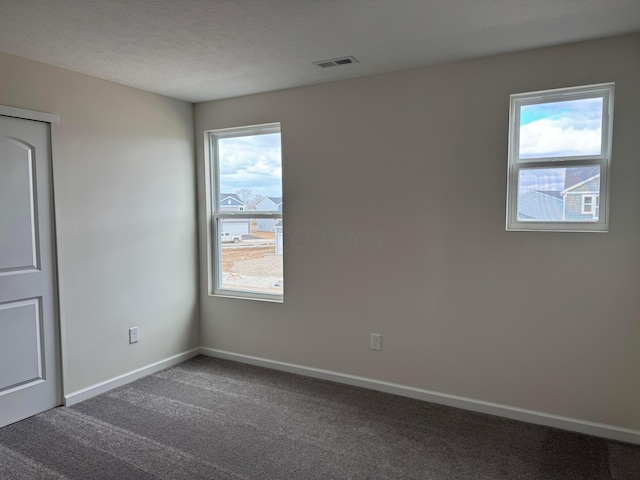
x=319, y=239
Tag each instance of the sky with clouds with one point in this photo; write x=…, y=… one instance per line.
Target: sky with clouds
x=561, y=129
x=557, y=129
x=253, y=161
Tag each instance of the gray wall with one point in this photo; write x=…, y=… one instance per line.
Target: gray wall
x=541, y=321
x=126, y=226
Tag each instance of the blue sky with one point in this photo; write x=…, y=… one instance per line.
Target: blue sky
x=558, y=129
x=253, y=162
x=589, y=109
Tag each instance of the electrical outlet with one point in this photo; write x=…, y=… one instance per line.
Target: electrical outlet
x=376, y=341
x=133, y=335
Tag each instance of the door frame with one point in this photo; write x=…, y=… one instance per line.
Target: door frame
x=29, y=114
x=51, y=119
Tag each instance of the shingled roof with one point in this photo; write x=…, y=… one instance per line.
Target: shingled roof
x=551, y=193
x=232, y=195
x=576, y=175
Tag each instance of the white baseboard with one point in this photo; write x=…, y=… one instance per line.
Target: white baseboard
x=80, y=395
x=530, y=416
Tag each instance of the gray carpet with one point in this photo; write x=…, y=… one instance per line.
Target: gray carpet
x=215, y=419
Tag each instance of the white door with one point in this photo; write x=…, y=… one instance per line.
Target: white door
x=29, y=347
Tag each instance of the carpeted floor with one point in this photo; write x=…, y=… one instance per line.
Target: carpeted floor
x=216, y=419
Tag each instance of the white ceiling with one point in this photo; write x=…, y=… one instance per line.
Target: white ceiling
x=198, y=50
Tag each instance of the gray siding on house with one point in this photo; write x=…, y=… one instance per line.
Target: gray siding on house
x=266, y=224
x=590, y=187
x=230, y=202
x=572, y=207
x=268, y=204
x=573, y=201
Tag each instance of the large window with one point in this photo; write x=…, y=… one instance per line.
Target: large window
x=559, y=157
x=246, y=204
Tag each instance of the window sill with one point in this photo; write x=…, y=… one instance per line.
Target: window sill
x=248, y=296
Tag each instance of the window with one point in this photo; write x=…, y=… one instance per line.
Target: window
x=559, y=157
x=590, y=205
x=245, y=200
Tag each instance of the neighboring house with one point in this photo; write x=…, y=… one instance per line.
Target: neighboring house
x=579, y=199
x=540, y=205
x=230, y=202
x=265, y=205
x=582, y=193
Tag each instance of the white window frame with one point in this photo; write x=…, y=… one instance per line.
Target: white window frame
x=215, y=214
x=515, y=163
x=594, y=198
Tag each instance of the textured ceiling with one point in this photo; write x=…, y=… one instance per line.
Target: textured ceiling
x=199, y=50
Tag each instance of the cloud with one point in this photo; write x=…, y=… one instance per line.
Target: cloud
x=253, y=162
x=560, y=138
x=560, y=129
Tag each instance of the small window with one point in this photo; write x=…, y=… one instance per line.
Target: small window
x=591, y=205
x=559, y=157
x=246, y=222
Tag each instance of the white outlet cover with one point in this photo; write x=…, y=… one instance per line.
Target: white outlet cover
x=133, y=335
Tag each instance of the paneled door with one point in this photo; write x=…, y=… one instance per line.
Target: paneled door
x=29, y=334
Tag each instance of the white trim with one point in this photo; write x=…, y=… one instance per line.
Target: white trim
x=573, y=187
x=584, y=204
x=514, y=413
x=218, y=215
x=248, y=295
x=102, y=387
x=603, y=90
x=512, y=222
x=246, y=130
x=29, y=114
x=593, y=213
x=587, y=192
x=248, y=214
x=546, y=194
x=516, y=163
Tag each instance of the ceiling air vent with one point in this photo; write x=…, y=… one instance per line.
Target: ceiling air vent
x=336, y=62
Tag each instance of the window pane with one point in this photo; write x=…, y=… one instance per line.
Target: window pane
x=250, y=168
x=248, y=252
x=561, y=129
x=557, y=194
x=251, y=253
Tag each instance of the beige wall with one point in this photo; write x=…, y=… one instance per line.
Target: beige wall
x=125, y=209
x=541, y=321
